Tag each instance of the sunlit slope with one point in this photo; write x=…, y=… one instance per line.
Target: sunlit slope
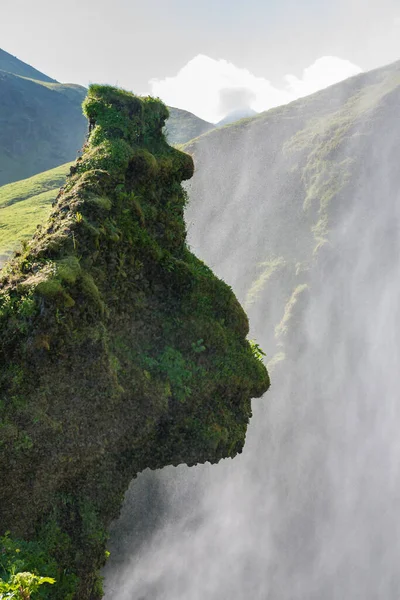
x=283, y=181
x=25, y=204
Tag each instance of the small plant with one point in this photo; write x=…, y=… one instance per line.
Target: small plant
x=257, y=352
x=170, y=266
x=198, y=346
x=21, y=562
x=22, y=307
x=21, y=586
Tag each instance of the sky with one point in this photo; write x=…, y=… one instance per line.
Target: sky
x=208, y=57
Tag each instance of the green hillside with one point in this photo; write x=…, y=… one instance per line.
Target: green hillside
x=41, y=125
x=25, y=204
x=288, y=175
x=12, y=64
x=41, y=121
x=183, y=126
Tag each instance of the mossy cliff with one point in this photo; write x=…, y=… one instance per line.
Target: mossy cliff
x=119, y=349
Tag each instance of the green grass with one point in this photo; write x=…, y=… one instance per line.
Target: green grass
x=33, y=186
x=25, y=204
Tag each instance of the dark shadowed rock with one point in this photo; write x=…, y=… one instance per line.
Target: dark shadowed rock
x=119, y=349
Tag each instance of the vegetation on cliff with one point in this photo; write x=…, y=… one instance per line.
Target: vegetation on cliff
x=289, y=174
x=41, y=121
x=119, y=349
x=26, y=203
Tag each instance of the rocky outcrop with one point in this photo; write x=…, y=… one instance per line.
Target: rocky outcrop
x=119, y=349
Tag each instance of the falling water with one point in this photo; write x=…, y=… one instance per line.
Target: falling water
x=309, y=511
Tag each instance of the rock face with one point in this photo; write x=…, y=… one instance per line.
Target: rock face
x=119, y=349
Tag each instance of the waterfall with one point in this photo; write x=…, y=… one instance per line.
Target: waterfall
x=309, y=511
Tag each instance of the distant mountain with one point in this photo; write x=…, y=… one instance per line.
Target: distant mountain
x=41, y=121
x=41, y=125
x=236, y=115
x=183, y=126
x=26, y=202
x=297, y=209
x=11, y=64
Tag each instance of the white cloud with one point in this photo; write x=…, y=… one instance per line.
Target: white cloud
x=208, y=87
x=323, y=72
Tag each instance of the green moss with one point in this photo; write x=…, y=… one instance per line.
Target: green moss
x=50, y=287
x=323, y=175
x=68, y=269
x=119, y=349
x=267, y=268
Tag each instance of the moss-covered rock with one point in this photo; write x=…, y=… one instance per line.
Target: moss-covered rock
x=119, y=349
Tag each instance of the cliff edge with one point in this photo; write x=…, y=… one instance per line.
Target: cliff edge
x=119, y=349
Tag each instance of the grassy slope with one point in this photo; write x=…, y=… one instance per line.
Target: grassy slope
x=296, y=139
x=183, y=126
x=26, y=188
x=302, y=167
x=24, y=204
